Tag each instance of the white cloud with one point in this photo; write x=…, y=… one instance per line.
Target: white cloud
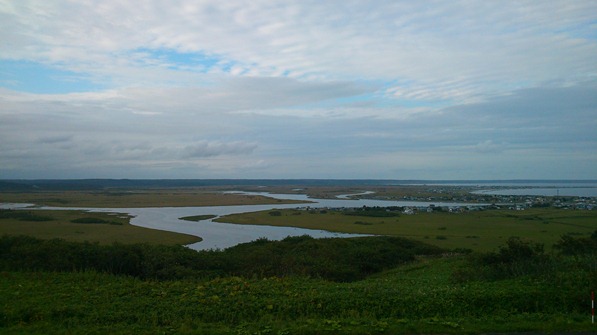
x=444, y=50
x=388, y=89
x=211, y=149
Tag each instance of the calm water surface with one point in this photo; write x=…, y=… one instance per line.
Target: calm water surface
x=224, y=235
x=217, y=235
x=547, y=191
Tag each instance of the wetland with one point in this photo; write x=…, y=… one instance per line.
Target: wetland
x=439, y=259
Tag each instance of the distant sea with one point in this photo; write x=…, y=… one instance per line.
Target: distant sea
x=540, y=191
x=573, y=188
x=504, y=183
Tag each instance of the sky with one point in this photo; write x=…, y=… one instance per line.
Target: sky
x=290, y=89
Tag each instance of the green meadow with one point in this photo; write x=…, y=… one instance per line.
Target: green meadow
x=477, y=230
x=81, y=226
x=135, y=198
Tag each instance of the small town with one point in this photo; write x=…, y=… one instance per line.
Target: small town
x=479, y=202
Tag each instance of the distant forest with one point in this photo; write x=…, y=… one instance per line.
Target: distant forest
x=24, y=185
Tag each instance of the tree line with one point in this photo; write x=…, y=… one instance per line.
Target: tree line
x=336, y=259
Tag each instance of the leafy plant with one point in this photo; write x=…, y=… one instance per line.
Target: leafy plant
x=333, y=259
x=569, y=245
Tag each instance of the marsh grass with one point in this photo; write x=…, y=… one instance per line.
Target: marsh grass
x=59, y=224
x=138, y=198
x=490, y=228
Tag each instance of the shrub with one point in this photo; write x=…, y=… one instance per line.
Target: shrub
x=516, y=258
x=337, y=259
x=515, y=250
x=23, y=215
x=569, y=245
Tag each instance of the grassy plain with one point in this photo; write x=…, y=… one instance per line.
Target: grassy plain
x=137, y=198
x=480, y=230
x=379, y=192
x=420, y=298
x=118, y=230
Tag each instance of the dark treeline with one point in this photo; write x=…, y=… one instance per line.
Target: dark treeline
x=375, y=211
x=24, y=185
x=576, y=256
x=336, y=259
x=23, y=215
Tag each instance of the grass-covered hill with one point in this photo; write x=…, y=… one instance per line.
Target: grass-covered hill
x=372, y=285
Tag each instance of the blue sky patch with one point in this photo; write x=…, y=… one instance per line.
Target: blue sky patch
x=182, y=60
x=26, y=76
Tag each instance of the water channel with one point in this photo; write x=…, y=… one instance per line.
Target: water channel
x=218, y=235
x=223, y=235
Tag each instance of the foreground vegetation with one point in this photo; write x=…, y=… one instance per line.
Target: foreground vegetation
x=491, y=292
x=341, y=260
x=476, y=230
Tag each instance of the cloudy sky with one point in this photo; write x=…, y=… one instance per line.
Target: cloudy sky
x=298, y=89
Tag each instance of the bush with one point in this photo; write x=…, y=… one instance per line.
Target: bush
x=138, y=260
x=335, y=259
x=23, y=215
x=517, y=258
x=569, y=245
x=515, y=250
x=338, y=259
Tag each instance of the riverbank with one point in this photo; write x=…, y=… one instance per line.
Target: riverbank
x=138, y=198
x=85, y=226
x=479, y=230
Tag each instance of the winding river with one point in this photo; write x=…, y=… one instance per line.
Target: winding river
x=223, y=235
x=218, y=235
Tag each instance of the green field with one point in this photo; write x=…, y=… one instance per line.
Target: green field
x=137, y=198
x=479, y=230
x=115, y=229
